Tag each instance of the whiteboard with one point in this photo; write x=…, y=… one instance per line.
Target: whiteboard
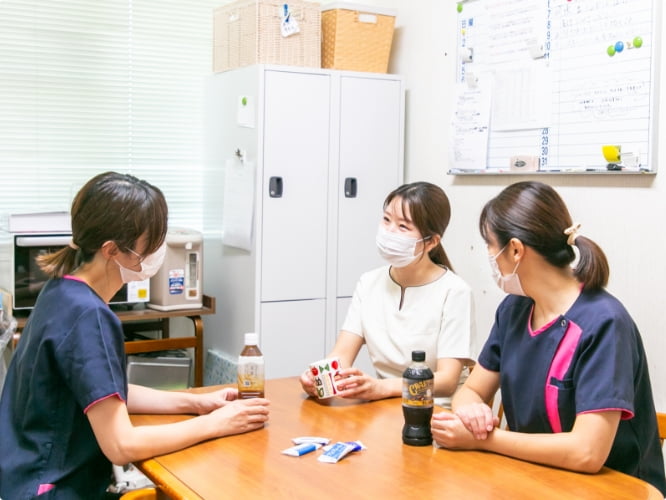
x=554, y=81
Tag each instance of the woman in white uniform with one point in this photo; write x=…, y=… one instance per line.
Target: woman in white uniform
x=416, y=302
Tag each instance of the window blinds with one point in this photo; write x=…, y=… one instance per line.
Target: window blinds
x=89, y=86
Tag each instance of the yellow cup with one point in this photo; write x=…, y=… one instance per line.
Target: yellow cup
x=612, y=153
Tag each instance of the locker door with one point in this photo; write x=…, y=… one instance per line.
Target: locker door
x=371, y=162
x=292, y=336
x=294, y=190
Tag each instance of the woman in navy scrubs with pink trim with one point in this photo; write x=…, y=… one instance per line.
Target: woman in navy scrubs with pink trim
x=566, y=355
x=64, y=411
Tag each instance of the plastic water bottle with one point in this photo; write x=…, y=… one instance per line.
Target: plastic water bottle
x=417, y=402
x=251, y=369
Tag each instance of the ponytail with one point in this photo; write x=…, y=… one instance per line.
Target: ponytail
x=592, y=269
x=438, y=256
x=57, y=264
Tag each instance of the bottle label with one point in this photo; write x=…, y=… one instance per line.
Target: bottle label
x=417, y=392
x=251, y=373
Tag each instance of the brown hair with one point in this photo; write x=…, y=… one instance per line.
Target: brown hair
x=110, y=207
x=430, y=212
x=534, y=213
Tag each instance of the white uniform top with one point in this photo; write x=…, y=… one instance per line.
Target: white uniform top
x=437, y=318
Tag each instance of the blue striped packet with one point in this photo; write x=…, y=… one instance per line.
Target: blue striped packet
x=336, y=452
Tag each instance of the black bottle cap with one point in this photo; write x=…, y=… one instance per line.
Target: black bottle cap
x=418, y=355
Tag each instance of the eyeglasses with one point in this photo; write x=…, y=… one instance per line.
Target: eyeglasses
x=141, y=257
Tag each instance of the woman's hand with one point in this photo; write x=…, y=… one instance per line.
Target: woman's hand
x=352, y=383
x=307, y=382
x=448, y=431
x=478, y=419
x=209, y=401
x=241, y=415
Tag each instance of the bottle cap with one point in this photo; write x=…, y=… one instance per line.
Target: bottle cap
x=418, y=355
x=251, y=339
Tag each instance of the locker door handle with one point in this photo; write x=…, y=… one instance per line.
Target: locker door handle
x=275, y=187
x=350, y=187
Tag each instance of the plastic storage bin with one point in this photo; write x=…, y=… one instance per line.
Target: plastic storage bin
x=160, y=370
x=248, y=32
x=356, y=37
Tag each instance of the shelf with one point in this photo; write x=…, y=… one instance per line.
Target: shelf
x=146, y=314
x=155, y=319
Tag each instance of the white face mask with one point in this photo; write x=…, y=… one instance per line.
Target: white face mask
x=509, y=283
x=149, y=266
x=396, y=249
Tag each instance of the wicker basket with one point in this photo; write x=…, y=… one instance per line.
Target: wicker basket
x=356, y=37
x=248, y=32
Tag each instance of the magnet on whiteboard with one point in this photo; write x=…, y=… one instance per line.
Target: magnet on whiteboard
x=467, y=54
x=536, y=48
x=471, y=79
x=631, y=160
x=524, y=163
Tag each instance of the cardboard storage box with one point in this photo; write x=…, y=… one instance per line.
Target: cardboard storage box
x=249, y=32
x=356, y=37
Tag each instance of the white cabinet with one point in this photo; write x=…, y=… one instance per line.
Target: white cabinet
x=327, y=147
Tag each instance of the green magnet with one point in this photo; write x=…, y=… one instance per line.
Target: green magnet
x=610, y=50
x=638, y=42
x=459, y=7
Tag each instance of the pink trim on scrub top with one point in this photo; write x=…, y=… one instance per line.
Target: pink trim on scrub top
x=116, y=394
x=43, y=488
x=558, y=368
x=75, y=278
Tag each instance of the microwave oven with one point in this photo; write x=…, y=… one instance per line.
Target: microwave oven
x=27, y=279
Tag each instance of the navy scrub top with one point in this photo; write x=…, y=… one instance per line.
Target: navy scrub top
x=70, y=356
x=590, y=359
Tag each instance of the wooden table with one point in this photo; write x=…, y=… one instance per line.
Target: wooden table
x=152, y=319
x=251, y=465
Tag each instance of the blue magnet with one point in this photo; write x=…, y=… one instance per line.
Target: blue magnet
x=619, y=46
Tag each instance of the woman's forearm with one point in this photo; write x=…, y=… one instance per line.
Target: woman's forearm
x=584, y=449
x=141, y=399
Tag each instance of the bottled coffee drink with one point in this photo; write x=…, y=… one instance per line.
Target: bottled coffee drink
x=417, y=402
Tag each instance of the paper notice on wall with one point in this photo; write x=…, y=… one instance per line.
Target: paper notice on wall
x=471, y=119
x=522, y=97
x=238, y=204
x=245, y=111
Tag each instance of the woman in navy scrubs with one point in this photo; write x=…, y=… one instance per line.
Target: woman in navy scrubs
x=64, y=412
x=566, y=354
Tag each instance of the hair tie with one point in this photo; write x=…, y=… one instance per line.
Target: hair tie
x=72, y=245
x=572, y=233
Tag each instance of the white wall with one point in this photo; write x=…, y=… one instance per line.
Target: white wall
x=624, y=215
